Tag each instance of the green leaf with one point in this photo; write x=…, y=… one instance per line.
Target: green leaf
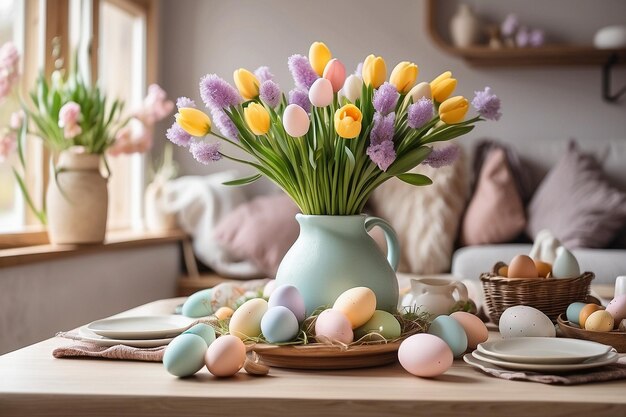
x=243, y=181
x=408, y=161
x=41, y=215
x=415, y=179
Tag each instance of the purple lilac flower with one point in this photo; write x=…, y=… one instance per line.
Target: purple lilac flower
x=442, y=157
x=224, y=124
x=185, y=102
x=217, y=93
x=301, y=98
x=263, y=74
x=178, y=136
x=270, y=93
x=487, y=104
x=420, y=113
x=303, y=74
x=509, y=25
x=382, y=131
x=537, y=37
x=205, y=153
x=382, y=154
x=385, y=98
x=359, y=69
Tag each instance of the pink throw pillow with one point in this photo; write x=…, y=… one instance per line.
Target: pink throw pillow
x=495, y=213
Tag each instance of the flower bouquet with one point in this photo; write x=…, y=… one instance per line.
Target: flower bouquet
x=329, y=143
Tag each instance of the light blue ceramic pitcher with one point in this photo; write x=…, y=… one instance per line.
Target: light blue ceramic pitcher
x=335, y=253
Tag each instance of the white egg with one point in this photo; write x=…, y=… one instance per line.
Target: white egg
x=525, y=321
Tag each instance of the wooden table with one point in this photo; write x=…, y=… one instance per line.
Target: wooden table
x=33, y=383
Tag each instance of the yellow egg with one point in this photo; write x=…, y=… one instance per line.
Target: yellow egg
x=503, y=271
x=357, y=304
x=585, y=312
x=600, y=321
x=224, y=313
x=522, y=267
x=246, y=320
x=543, y=268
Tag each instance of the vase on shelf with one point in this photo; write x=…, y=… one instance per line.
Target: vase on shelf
x=334, y=253
x=464, y=27
x=77, y=199
x=157, y=217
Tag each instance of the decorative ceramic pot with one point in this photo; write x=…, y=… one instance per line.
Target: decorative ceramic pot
x=157, y=217
x=464, y=27
x=434, y=296
x=335, y=253
x=77, y=199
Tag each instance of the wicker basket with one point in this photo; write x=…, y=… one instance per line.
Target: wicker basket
x=551, y=296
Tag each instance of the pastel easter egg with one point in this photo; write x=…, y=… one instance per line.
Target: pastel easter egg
x=381, y=322
x=198, y=304
x=226, y=356
x=204, y=331
x=246, y=320
x=617, y=308
x=585, y=312
x=425, y=355
x=525, y=321
x=269, y=288
x=474, y=327
x=296, y=121
x=184, y=356
x=321, y=93
x=573, y=312
x=279, y=325
x=333, y=325
x=565, y=265
x=522, y=266
x=600, y=321
x=224, y=313
x=451, y=332
x=543, y=268
x=358, y=304
x=288, y=296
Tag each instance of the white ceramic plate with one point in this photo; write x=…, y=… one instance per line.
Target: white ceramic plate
x=89, y=336
x=141, y=327
x=548, y=350
x=607, y=359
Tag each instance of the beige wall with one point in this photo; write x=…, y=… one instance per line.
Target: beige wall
x=203, y=36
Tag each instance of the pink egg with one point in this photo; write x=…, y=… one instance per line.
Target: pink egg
x=474, y=327
x=425, y=355
x=334, y=325
x=296, y=122
x=225, y=356
x=321, y=93
x=617, y=308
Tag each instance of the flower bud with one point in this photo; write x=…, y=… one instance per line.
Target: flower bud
x=443, y=86
x=247, y=83
x=193, y=121
x=335, y=72
x=403, y=76
x=374, y=71
x=257, y=118
x=319, y=55
x=352, y=88
x=453, y=110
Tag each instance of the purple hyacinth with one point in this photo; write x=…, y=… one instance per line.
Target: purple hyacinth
x=382, y=154
x=224, y=124
x=359, y=69
x=178, y=136
x=509, y=25
x=303, y=74
x=442, y=157
x=301, y=98
x=185, y=102
x=217, y=93
x=205, y=153
x=385, y=98
x=270, y=93
x=263, y=74
x=382, y=130
x=420, y=113
x=487, y=104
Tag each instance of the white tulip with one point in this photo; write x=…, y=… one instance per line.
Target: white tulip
x=421, y=90
x=352, y=88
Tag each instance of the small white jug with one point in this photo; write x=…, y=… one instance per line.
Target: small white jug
x=434, y=296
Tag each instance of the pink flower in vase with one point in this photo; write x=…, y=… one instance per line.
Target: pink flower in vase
x=8, y=143
x=16, y=120
x=68, y=119
x=155, y=106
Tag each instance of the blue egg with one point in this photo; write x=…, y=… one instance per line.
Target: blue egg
x=204, y=331
x=451, y=331
x=279, y=325
x=573, y=311
x=184, y=356
x=198, y=304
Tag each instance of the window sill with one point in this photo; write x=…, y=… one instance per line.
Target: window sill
x=115, y=240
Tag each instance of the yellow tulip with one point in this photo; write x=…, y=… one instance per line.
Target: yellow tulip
x=453, y=110
x=403, y=76
x=319, y=55
x=348, y=121
x=193, y=121
x=374, y=71
x=443, y=86
x=247, y=83
x=257, y=118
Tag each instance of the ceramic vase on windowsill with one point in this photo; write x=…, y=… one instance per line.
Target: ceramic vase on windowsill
x=77, y=199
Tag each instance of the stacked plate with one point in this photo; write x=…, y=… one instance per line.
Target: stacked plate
x=139, y=331
x=542, y=354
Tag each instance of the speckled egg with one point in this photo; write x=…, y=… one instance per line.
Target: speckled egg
x=383, y=323
x=522, y=266
x=573, y=312
x=451, y=332
x=288, y=296
x=333, y=325
x=358, y=304
x=246, y=320
x=198, y=304
x=425, y=355
x=617, y=308
x=600, y=321
x=226, y=356
x=565, y=265
x=279, y=325
x=184, y=356
x=525, y=321
x=204, y=331
x=585, y=312
x=474, y=327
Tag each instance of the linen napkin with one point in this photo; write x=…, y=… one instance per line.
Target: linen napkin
x=122, y=352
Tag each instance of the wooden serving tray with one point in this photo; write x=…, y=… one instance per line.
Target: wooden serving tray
x=615, y=338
